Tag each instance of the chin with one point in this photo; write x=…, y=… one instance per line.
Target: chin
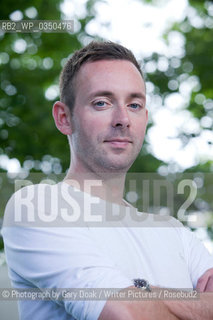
x=115, y=164
x=118, y=166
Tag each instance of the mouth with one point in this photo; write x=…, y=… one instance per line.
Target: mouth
x=118, y=143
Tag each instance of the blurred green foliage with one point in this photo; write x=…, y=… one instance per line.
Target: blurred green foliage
x=27, y=128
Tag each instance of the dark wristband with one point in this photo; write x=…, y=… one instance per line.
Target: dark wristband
x=142, y=284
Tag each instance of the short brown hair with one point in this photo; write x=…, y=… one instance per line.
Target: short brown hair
x=94, y=51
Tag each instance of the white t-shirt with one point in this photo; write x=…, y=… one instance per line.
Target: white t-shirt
x=52, y=241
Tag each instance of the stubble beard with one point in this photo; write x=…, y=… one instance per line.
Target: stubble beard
x=99, y=161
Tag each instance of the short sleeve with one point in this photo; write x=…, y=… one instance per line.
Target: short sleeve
x=61, y=258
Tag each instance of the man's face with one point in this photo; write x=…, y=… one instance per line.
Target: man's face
x=109, y=118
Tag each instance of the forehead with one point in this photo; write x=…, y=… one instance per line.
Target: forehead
x=108, y=74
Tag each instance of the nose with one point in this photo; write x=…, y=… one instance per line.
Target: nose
x=120, y=117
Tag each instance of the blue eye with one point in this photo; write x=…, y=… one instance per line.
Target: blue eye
x=100, y=103
x=135, y=105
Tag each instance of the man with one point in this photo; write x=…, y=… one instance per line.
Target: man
x=103, y=113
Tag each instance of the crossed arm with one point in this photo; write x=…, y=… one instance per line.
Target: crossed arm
x=201, y=309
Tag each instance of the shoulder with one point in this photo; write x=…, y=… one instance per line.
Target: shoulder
x=156, y=220
x=23, y=195
x=22, y=206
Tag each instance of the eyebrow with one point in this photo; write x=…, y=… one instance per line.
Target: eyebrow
x=102, y=93
x=111, y=94
x=137, y=95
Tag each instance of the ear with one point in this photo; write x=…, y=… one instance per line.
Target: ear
x=62, y=116
x=147, y=116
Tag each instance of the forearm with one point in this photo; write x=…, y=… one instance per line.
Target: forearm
x=200, y=309
x=137, y=310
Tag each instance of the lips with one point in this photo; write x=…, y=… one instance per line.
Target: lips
x=118, y=143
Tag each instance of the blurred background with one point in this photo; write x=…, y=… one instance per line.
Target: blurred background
x=173, y=42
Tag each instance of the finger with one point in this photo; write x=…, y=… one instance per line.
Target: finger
x=202, y=282
x=209, y=285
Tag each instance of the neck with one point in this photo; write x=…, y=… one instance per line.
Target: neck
x=107, y=186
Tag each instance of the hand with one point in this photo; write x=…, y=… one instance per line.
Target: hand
x=205, y=282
